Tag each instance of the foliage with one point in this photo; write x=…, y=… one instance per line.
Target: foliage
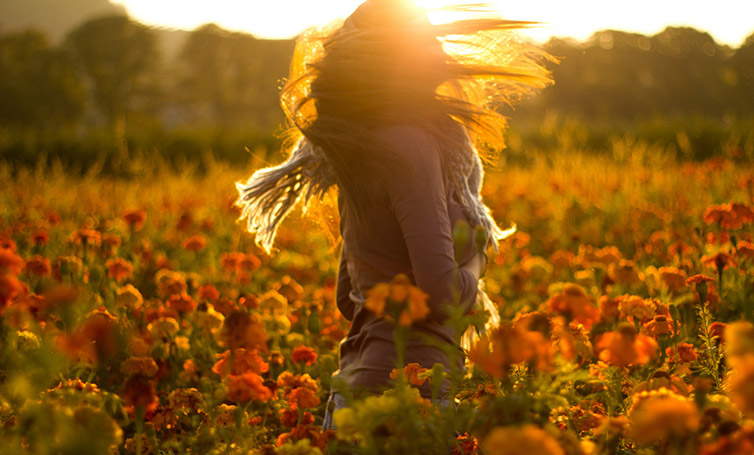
x=138, y=324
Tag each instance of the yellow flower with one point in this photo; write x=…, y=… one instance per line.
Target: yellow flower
x=129, y=297
x=525, y=440
x=377, y=299
x=659, y=415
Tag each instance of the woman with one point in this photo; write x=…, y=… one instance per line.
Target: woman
x=385, y=113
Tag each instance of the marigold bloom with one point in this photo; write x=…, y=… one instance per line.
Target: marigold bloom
x=37, y=265
x=163, y=328
x=660, y=415
x=636, y=308
x=40, y=237
x=745, y=250
x=208, y=292
x=139, y=365
x=685, y=353
x=304, y=354
x=659, y=326
x=302, y=397
x=135, y=218
x=119, y=269
x=740, y=385
x=573, y=302
x=505, y=346
x=195, y=243
x=10, y=288
x=186, y=400
x=624, y=272
x=10, y=262
x=376, y=299
x=129, y=297
x=723, y=216
x=399, y=296
x=465, y=445
x=170, y=282
x=182, y=303
x=625, y=347
x=288, y=381
x=246, y=387
x=662, y=380
x=289, y=417
x=242, y=330
x=527, y=439
x=412, y=372
x=739, y=342
x=244, y=361
x=673, y=278
x=698, y=279
x=87, y=237
x=274, y=303
x=140, y=391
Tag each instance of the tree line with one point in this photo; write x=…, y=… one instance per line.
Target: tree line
x=111, y=75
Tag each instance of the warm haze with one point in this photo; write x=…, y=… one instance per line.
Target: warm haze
x=728, y=21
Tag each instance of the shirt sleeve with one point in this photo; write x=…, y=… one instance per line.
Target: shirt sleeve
x=418, y=197
x=343, y=289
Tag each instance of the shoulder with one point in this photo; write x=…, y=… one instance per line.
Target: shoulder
x=411, y=144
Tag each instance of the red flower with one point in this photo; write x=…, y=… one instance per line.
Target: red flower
x=304, y=354
x=195, y=243
x=696, y=279
x=119, y=269
x=135, y=219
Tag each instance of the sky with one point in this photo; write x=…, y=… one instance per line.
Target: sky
x=728, y=21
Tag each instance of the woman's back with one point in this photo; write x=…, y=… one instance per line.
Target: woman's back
x=411, y=222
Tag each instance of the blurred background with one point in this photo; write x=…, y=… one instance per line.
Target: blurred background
x=83, y=82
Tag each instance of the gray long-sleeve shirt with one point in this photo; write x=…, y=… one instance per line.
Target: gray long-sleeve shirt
x=411, y=234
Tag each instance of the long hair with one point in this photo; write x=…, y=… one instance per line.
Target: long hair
x=388, y=64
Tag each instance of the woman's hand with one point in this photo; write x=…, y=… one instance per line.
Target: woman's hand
x=476, y=265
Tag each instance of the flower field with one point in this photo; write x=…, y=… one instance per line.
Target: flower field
x=137, y=316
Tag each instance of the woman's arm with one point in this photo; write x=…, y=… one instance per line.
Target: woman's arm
x=418, y=198
x=343, y=289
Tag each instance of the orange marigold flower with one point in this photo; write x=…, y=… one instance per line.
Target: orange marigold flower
x=87, y=237
x=376, y=299
x=304, y=354
x=660, y=325
x=609, y=308
x=40, y=237
x=244, y=361
x=170, y=282
x=38, y=265
x=182, y=303
x=289, y=417
x=739, y=342
x=723, y=216
x=465, y=445
x=119, y=269
x=10, y=288
x=246, y=387
x=625, y=347
x=744, y=212
x=412, y=372
x=635, y=308
x=139, y=365
x=140, y=391
x=720, y=260
x=208, y=292
x=698, y=279
x=195, y=243
x=624, y=272
x=745, y=250
x=740, y=386
x=507, y=345
x=526, y=439
x=135, y=218
x=186, y=400
x=288, y=381
x=662, y=380
x=660, y=415
x=685, y=353
x=242, y=330
x=673, y=278
x=573, y=302
x=10, y=262
x=302, y=397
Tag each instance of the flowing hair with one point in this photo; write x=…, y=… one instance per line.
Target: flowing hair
x=387, y=64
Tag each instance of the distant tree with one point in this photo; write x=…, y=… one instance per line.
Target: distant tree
x=230, y=80
x=39, y=87
x=54, y=17
x=119, y=59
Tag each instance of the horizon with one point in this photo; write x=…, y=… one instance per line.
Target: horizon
x=557, y=20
